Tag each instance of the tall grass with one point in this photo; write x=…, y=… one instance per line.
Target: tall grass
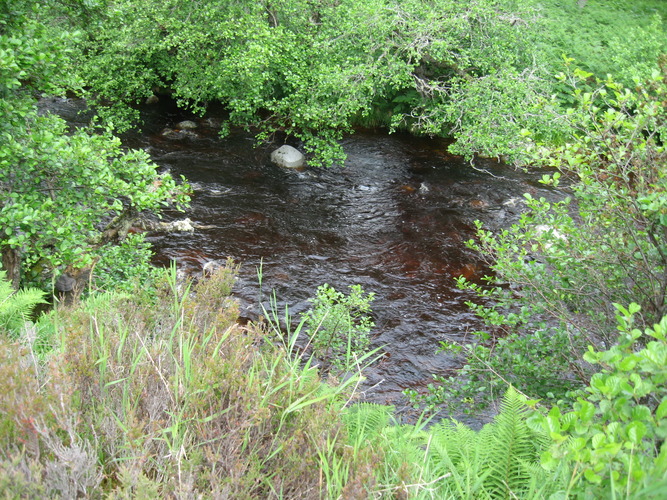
x=164, y=395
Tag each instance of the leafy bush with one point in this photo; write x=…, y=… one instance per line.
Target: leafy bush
x=57, y=186
x=559, y=269
x=313, y=70
x=614, y=436
x=609, y=444
x=339, y=326
x=126, y=265
x=540, y=362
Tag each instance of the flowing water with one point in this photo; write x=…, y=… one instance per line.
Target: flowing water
x=394, y=218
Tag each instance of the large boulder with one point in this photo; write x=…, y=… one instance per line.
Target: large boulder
x=287, y=156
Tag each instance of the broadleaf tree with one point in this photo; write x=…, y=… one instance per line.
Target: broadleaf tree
x=314, y=69
x=58, y=188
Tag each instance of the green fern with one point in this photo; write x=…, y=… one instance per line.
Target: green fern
x=511, y=444
x=16, y=306
x=451, y=460
x=399, y=446
x=366, y=421
x=500, y=461
x=455, y=456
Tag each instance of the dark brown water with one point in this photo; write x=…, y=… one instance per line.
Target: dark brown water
x=394, y=219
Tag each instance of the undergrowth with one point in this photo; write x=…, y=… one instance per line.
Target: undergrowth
x=164, y=395
x=162, y=398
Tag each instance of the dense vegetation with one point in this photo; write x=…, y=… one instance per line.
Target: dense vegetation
x=63, y=196
x=155, y=391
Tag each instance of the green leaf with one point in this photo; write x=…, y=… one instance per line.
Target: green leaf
x=636, y=432
x=585, y=410
x=592, y=477
x=598, y=440
x=641, y=413
x=661, y=411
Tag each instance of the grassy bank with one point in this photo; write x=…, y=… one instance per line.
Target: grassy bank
x=161, y=394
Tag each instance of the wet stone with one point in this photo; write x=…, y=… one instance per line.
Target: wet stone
x=186, y=125
x=288, y=157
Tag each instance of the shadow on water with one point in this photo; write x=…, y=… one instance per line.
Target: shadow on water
x=394, y=219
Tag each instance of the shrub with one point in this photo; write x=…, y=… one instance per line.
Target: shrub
x=339, y=326
x=559, y=269
x=613, y=439
x=125, y=266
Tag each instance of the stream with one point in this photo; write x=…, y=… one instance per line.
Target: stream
x=394, y=219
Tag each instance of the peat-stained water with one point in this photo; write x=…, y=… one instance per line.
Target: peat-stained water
x=394, y=219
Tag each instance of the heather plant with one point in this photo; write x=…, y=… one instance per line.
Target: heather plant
x=166, y=398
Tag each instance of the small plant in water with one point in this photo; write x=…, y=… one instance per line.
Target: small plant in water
x=339, y=325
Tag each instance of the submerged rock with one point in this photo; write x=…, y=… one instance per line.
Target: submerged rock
x=287, y=156
x=186, y=125
x=177, y=226
x=178, y=135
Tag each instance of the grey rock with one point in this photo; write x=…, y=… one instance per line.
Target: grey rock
x=288, y=157
x=186, y=125
x=178, y=135
x=65, y=283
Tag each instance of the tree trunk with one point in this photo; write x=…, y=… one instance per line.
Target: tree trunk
x=11, y=263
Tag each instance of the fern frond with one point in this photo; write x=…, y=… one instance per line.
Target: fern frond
x=365, y=421
x=455, y=453
x=499, y=461
x=453, y=440
x=16, y=307
x=511, y=445
x=5, y=286
x=403, y=449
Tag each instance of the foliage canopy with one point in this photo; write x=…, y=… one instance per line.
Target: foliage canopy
x=57, y=187
x=315, y=69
